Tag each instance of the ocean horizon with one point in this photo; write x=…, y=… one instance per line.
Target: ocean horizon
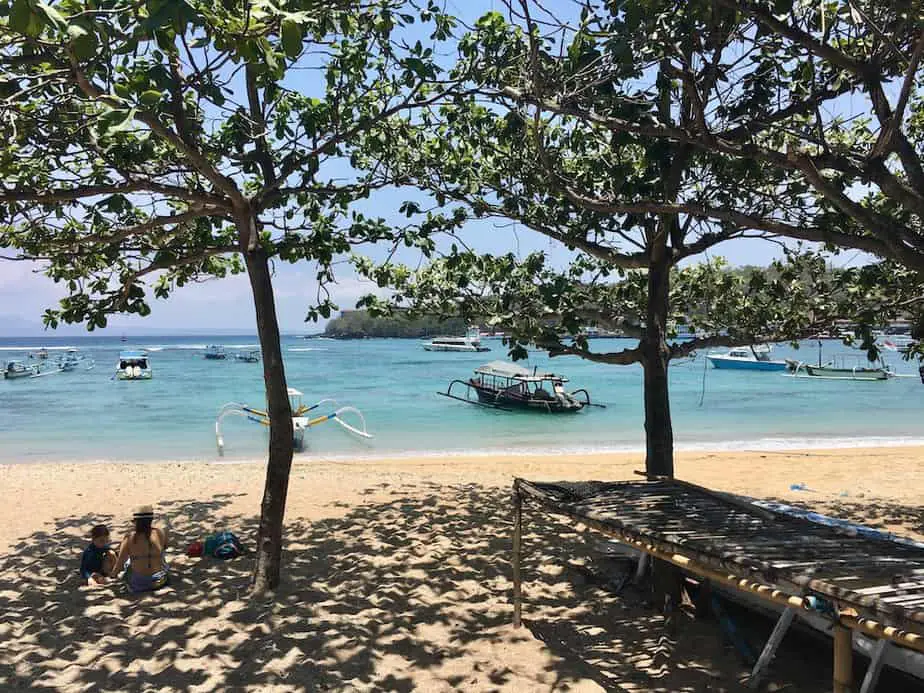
x=86, y=415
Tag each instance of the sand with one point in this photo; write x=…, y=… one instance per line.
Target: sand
x=396, y=577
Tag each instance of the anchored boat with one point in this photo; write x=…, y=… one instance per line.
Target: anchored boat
x=73, y=360
x=17, y=369
x=503, y=385
x=215, y=352
x=252, y=356
x=471, y=342
x=752, y=358
x=301, y=421
x=133, y=365
x=842, y=367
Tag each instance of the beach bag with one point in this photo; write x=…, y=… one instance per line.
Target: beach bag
x=223, y=545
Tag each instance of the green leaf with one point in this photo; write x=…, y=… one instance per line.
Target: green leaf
x=150, y=97
x=83, y=41
x=291, y=38
x=24, y=20
x=52, y=15
x=116, y=120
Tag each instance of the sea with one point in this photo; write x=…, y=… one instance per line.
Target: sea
x=87, y=415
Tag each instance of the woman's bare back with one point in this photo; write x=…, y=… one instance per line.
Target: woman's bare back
x=147, y=552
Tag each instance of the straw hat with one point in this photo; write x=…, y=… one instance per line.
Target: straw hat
x=143, y=512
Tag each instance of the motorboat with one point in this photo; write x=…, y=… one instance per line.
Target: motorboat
x=471, y=342
x=752, y=358
x=133, y=365
x=302, y=419
x=842, y=367
x=215, y=352
x=507, y=386
x=17, y=369
x=40, y=355
x=73, y=360
x=251, y=356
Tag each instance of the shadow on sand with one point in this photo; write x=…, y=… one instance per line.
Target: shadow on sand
x=407, y=594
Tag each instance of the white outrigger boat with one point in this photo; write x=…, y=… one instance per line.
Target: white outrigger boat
x=470, y=343
x=17, y=369
x=74, y=360
x=301, y=422
x=133, y=365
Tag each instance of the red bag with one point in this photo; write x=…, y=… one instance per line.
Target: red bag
x=194, y=549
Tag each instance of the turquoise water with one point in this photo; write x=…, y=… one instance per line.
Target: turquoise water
x=86, y=415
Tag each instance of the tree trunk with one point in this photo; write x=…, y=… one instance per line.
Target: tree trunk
x=659, y=433
x=272, y=511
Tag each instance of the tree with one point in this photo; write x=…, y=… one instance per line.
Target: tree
x=168, y=140
x=825, y=100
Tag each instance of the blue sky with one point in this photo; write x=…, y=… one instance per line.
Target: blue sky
x=226, y=303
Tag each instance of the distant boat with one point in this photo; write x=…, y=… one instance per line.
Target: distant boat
x=17, y=369
x=72, y=360
x=252, y=356
x=842, y=367
x=41, y=354
x=504, y=385
x=133, y=365
x=754, y=358
x=215, y=352
x=124, y=339
x=471, y=342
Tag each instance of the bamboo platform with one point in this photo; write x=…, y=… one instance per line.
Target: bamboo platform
x=873, y=586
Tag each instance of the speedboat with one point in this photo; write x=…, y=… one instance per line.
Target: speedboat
x=215, y=352
x=18, y=369
x=753, y=358
x=133, y=365
x=301, y=421
x=506, y=386
x=471, y=342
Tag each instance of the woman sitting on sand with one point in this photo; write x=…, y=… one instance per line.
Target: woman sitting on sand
x=143, y=550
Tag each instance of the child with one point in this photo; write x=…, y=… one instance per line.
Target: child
x=98, y=559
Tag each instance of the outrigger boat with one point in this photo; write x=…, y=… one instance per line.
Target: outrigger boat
x=842, y=367
x=301, y=422
x=507, y=386
x=17, y=369
x=72, y=360
x=215, y=352
x=133, y=365
x=252, y=356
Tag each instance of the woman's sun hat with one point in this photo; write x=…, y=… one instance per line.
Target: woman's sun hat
x=143, y=512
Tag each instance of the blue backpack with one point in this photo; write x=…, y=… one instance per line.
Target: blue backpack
x=223, y=545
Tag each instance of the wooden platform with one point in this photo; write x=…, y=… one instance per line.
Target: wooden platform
x=865, y=578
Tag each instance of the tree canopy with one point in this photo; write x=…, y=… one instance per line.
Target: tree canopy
x=169, y=141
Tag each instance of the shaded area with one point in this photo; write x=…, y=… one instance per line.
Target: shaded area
x=408, y=593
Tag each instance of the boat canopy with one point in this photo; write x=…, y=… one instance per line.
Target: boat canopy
x=132, y=355
x=504, y=369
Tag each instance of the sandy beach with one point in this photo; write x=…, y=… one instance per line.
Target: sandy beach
x=396, y=577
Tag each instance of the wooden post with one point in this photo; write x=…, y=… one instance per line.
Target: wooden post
x=776, y=637
x=517, y=532
x=843, y=659
x=875, y=667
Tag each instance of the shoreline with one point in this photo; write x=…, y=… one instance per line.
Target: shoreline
x=781, y=446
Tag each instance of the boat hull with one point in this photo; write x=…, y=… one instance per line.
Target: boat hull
x=745, y=365
x=453, y=347
x=16, y=375
x=144, y=375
